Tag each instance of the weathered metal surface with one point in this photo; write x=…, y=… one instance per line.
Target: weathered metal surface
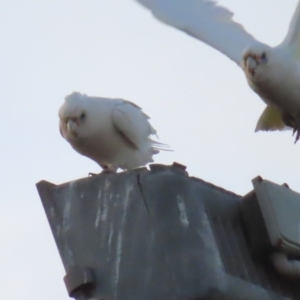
x=157, y=234
x=102, y=223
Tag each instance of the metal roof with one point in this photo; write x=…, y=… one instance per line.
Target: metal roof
x=156, y=234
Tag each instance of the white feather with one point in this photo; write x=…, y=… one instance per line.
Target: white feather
x=206, y=21
x=273, y=73
x=292, y=39
x=113, y=132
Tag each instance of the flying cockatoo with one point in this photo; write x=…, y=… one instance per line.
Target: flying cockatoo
x=115, y=133
x=272, y=72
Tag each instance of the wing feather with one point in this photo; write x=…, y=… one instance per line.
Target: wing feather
x=206, y=21
x=133, y=125
x=292, y=38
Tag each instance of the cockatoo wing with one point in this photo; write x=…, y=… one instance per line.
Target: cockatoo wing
x=133, y=125
x=206, y=21
x=292, y=38
x=270, y=120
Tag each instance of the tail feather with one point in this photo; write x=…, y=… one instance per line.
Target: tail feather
x=157, y=146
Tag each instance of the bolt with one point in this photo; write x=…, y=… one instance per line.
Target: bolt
x=259, y=179
x=180, y=166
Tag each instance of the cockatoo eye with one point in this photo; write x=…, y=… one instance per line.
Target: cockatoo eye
x=82, y=117
x=263, y=58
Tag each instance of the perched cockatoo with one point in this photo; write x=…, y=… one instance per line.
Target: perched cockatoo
x=115, y=133
x=272, y=72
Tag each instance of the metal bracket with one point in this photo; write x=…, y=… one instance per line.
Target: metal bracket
x=79, y=279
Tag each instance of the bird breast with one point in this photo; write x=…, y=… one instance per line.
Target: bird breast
x=277, y=86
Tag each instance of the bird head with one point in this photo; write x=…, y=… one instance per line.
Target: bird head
x=255, y=59
x=73, y=115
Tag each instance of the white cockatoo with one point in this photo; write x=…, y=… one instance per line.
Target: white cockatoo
x=115, y=133
x=272, y=72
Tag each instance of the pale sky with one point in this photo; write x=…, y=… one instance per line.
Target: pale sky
x=198, y=100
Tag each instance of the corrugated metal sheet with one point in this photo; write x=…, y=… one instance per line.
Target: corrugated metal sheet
x=157, y=234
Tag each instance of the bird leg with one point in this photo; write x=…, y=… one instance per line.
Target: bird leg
x=93, y=174
x=107, y=169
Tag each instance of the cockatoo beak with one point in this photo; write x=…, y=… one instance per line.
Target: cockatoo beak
x=251, y=64
x=72, y=127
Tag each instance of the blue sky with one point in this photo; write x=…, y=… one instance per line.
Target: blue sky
x=198, y=101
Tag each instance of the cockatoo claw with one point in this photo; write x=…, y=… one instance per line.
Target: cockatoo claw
x=105, y=170
x=93, y=174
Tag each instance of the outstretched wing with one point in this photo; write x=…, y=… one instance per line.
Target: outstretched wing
x=292, y=38
x=206, y=21
x=133, y=125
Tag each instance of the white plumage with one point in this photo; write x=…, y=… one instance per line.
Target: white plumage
x=272, y=72
x=115, y=133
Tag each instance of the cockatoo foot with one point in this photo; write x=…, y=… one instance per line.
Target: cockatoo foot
x=102, y=172
x=106, y=170
x=93, y=174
